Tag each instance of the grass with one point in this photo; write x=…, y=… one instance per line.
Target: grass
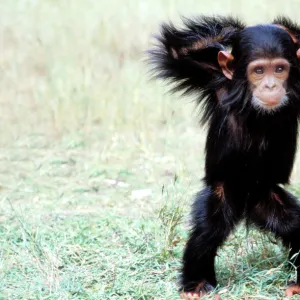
x=98, y=165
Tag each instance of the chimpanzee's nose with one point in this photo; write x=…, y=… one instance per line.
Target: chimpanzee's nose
x=270, y=83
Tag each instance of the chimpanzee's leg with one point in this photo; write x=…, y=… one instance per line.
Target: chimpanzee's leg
x=213, y=218
x=279, y=211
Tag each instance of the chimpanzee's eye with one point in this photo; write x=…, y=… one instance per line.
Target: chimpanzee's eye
x=279, y=69
x=259, y=70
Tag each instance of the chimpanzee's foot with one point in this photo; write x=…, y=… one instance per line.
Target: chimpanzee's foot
x=292, y=290
x=200, y=291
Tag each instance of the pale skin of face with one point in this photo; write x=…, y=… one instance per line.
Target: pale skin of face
x=267, y=78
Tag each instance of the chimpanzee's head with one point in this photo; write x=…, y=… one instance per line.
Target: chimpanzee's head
x=264, y=56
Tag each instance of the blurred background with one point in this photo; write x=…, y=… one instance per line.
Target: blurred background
x=98, y=165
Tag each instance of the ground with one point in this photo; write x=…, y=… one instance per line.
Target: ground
x=98, y=165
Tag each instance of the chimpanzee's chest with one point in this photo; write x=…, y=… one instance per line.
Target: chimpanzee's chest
x=251, y=150
x=270, y=157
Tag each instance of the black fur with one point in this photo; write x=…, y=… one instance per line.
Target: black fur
x=248, y=153
x=193, y=67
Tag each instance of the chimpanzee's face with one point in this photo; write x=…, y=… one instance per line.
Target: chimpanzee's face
x=268, y=82
x=262, y=55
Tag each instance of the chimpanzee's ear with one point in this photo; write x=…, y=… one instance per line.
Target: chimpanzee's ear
x=291, y=28
x=225, y=62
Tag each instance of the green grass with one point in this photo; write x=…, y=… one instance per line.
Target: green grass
x=98, y=165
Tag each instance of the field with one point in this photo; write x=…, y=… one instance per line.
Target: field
x=98, y=165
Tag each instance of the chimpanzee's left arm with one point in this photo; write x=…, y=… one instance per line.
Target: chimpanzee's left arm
x=188, y=57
